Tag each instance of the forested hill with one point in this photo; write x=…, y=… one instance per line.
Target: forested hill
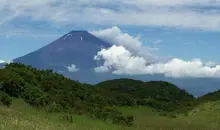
x=213, y=96
x=44, y=89
x=157, y=94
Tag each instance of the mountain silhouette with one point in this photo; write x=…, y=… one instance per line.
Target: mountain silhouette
x=76, y=47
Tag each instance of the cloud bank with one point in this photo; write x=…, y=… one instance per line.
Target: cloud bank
x=119, y=60
x=116, y=37
x=199, y=14
x=129, y=56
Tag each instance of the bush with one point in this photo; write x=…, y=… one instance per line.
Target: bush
x=123, y=120
x=13, y=85
x=54, y=107
x=34, y=96
x=129, y=120
x=5, y=99
x=68, y=118
x=112, y=115
x=163, y=113
x=172, y=116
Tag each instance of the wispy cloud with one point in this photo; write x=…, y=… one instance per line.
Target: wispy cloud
x=157, y=42
x=200, y=14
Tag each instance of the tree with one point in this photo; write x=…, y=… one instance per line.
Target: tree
x=13, y=85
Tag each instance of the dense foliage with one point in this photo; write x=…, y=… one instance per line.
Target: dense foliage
x=45, y=89
x=5, y=99
x=212, y=96
x=55, y=93
x=159, y=95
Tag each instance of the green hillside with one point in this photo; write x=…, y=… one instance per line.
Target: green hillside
x=212, y=96
x=156, y=94
x=42, y=99
x=52, y=92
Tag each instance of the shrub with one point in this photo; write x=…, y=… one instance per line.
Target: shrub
x=5, y=99
x=13, y=85
x=123, y=120
x=162, y=113
x=129, y=120
x=69, y=118
x=54, y=107
x=34, y=96
x=172, y=116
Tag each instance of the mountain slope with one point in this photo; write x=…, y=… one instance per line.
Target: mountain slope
x=75, y=50
x=76, y=47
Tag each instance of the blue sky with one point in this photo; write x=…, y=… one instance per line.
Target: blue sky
x=184, y=29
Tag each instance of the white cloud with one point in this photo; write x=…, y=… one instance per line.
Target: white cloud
x=9, y=61
x=117, y=57
x=179, y=68
x=2, y=61
x=72, y=68
x=116, y=37
x=5, y=61
x=157, y=41
x=211, y=64
x=162, y=13
x=102, y=69
x=118, y=60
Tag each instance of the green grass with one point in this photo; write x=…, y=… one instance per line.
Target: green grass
x=146, y=118
x=22, y=117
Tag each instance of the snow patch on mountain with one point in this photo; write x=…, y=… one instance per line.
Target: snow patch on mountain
x=67, y=36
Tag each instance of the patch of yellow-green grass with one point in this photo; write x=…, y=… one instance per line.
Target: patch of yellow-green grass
x=204, y=117
x=207, y=114
x=22, y=117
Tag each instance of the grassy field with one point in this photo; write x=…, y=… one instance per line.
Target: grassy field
x=22, y=117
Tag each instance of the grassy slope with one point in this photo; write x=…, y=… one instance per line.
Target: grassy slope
x=22, y=117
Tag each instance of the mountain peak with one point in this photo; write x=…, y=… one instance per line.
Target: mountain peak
x=78, y=31
x=76, y=34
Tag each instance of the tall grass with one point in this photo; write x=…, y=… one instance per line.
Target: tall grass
x=22, y=117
